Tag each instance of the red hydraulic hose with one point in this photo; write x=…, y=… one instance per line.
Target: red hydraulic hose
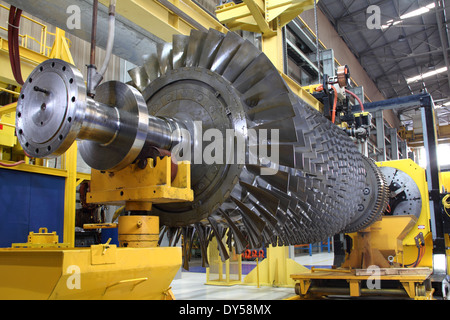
x=356, y=97
x=13, y=43
x=9, y=165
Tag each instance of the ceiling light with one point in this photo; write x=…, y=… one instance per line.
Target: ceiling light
x=418, y=12
x=414, y=13
x=426, y=75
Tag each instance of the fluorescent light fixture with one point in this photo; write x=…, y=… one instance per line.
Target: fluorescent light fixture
x=440, y=105
x=414, y=13
x=426, y=75
x=418, y=12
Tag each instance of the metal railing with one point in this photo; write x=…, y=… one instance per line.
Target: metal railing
x=26, y=39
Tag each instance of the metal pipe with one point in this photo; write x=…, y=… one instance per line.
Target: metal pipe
x=316, y=23
x=93, y=32
x=110, y=41
x=94, y=77
x=91, y=69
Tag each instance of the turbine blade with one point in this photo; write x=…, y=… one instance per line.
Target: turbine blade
x=179, y=49
x=212, y=43
x=227, y=50
x=195, y=47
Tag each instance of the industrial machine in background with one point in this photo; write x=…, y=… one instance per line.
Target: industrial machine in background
x=289, y=175
x=408, y=242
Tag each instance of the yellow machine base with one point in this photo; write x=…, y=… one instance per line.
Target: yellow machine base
x=412, y=280
x=98, y=272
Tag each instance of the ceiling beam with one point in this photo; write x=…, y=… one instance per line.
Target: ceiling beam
x=387, y=44
x=356, y=12
x=439, y=51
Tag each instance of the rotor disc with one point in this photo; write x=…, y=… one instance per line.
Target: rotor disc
x=404, y=194
x=53, y=97
x=374, y=201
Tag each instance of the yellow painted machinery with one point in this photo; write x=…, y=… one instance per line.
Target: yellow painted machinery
x=208, y=140
x=42, y=268
x=397, y=251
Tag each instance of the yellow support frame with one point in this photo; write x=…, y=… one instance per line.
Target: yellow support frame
x=154, y=17
x=132, y=185
x=418, y=175
x=216, y=264
x=410, y=280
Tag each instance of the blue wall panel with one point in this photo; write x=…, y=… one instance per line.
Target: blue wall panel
x=29, y=201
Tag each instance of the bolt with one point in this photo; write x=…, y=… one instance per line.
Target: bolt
x=142, y=163
x=36, y=88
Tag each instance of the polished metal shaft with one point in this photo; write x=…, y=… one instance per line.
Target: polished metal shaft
x=103, y=124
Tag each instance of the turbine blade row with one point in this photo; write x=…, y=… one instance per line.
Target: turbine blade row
x=321, y=175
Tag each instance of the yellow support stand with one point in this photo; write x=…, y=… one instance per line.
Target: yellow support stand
x=138, y=188
x=422, y=224
x=215, y=274
x=275, y=270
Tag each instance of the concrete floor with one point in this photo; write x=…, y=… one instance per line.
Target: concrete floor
x=191, y=285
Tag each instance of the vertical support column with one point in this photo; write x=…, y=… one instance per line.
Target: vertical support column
x=381, y=144
x=403, y=149
x=70, y=195
x=327, y=60
x=436, y=215
x=272, y=45
x=394, y=143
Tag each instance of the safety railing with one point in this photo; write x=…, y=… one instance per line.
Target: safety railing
x=27, y=39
